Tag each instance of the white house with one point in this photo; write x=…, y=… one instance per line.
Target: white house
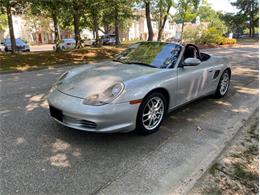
x=138, y=29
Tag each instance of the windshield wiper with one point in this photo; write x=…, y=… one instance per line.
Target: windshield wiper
x=140, y=63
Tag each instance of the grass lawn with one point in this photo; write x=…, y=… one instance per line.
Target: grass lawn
x=49, y=59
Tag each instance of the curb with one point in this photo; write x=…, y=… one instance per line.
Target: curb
x=187, y=186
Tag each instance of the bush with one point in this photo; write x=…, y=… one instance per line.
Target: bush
x=210, y=35
x=213, y=36
x=192, y=35
x=226, y=41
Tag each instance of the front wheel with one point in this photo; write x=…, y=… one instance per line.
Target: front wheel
x=151, y=113
x=223, y=84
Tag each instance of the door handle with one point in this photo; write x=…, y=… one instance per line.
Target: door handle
x=210, y=70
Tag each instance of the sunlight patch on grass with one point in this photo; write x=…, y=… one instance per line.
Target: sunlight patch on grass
x=49, y=59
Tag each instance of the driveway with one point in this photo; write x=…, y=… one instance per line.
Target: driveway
x=39, y=156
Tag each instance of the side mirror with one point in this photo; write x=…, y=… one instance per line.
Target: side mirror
x=191, y=62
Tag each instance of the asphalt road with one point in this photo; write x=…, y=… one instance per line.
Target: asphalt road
x=39, y=156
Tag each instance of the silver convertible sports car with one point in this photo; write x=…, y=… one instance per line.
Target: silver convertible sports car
x=138, y=88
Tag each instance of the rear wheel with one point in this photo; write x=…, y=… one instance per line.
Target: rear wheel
x=223, y=84
x=151, y=113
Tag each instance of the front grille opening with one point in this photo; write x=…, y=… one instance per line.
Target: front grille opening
x=88, y=124
x=79, y=122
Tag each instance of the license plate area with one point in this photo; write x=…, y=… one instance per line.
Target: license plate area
x=56, y=113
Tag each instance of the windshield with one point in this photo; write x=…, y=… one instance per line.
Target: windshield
x=155, y=54
x=69, y=40
x=17, y=41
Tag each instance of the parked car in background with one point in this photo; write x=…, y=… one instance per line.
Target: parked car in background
x=2, y=47
x=20, y=45
x=65, y=44
x=172, y=40
x=88, y=42
x=109, y=39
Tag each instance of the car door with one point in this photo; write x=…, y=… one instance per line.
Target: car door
x=192, y=82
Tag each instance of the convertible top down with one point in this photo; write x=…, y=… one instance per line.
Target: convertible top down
x=138, y=88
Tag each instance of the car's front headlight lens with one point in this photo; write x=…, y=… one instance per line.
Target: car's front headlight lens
x=106, y=97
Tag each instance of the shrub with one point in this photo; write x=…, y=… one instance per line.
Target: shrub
x=226, y=41
x=210, y=35
x=214, y=36
x=192, y=34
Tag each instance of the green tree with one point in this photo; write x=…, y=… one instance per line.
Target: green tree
x=213, y=18
x=10, y=7
x=48, y=9
x=249, y=8
x=121, y=11
x=236, y=23
x=93, y=17
x=74, y=15
x=186, y=11
x=3, y=22
x=148, y=5
x=161, y=13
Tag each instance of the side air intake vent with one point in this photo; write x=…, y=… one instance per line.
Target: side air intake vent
x=216, y=74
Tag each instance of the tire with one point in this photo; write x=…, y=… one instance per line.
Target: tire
x=158, y=113
x=223, y=84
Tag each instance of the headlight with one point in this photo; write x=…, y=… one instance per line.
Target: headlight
x=106, y=97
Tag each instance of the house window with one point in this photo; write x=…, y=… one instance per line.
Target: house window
x=171, y=26
x=155, y=26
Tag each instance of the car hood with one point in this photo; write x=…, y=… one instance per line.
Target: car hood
x=95, y=78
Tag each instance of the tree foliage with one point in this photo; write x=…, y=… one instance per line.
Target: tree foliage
x=48, y=9
x=161, y=13
x=249, y=9
x=3, y=22
x=11, y=7
x=186, y=11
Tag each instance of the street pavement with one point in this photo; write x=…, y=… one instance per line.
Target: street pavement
x=39, y=156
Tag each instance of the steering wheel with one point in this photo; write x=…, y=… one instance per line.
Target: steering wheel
x=196, y=48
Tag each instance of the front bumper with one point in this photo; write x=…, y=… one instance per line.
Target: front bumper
x=107, y=118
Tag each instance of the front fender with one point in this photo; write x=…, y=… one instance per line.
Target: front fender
x=138, y=88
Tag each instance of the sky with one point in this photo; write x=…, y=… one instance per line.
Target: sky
x=222, y=5
x=219, y=5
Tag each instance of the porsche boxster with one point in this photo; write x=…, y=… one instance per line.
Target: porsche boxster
x=138, y=88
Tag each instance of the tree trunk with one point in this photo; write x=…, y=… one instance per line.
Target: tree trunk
x=182, y=29
x=11, y=28
x=96, y=28
x=76, y=23
x=252, y=19
x=162, y=24
x=97, y=37
x=76, y=29
x=56, y=29
x=116, y=25
x=148, y=20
